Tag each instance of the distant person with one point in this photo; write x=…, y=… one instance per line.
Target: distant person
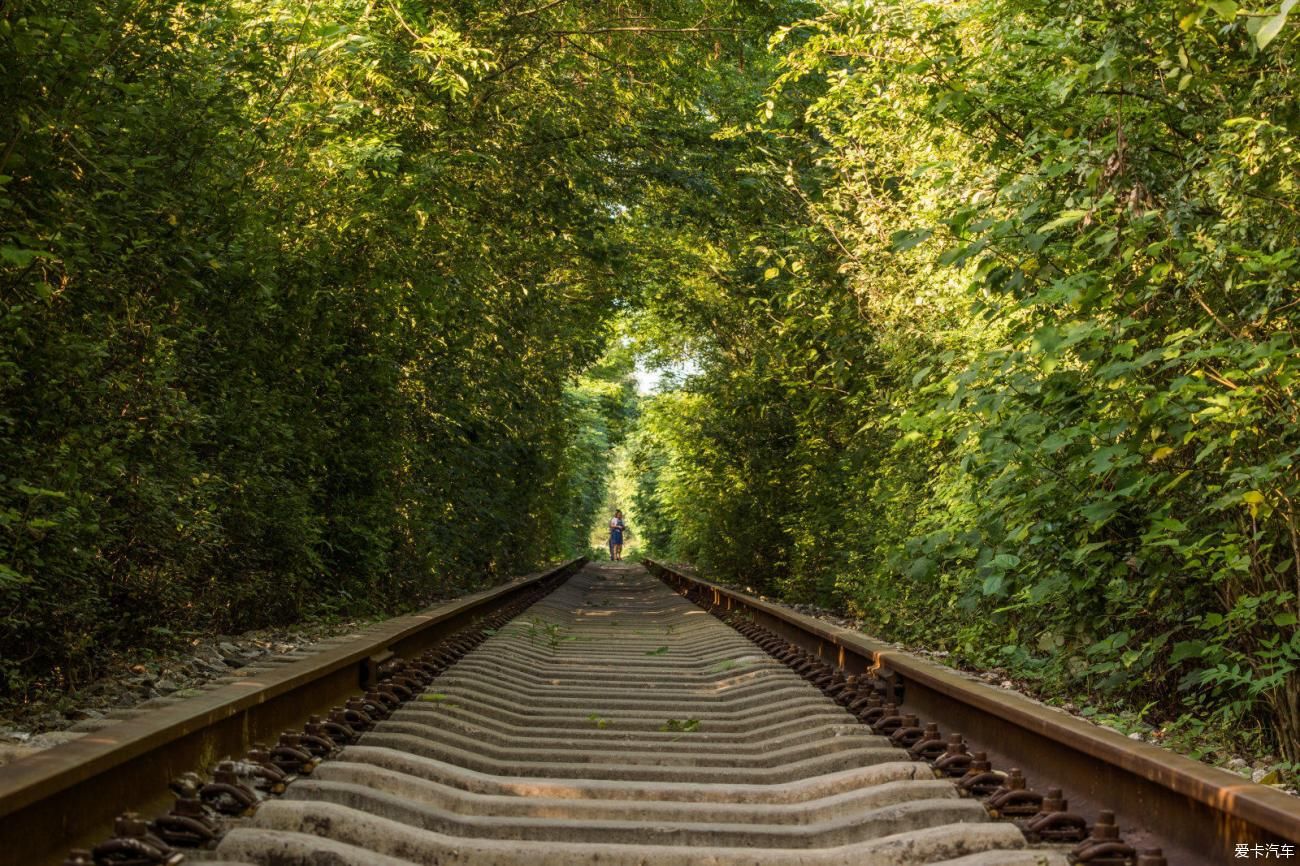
x=616, y=529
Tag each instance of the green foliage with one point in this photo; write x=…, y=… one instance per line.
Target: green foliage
x=294, y=296
x=1008, y=362
x=552, y=633
x=680, y=726
x=600, y=408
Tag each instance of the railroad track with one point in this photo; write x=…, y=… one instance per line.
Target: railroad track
x=602, y=715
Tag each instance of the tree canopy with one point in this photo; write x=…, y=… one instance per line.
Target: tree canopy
x=1011, y=368
x=294, y=295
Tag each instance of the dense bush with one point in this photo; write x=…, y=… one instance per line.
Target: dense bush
x=293, y=295
x=1029, y=390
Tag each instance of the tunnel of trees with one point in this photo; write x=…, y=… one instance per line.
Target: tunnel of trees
x=984, y=313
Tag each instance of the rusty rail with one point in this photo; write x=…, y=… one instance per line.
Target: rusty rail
x=64, y=796
x=1197, y=813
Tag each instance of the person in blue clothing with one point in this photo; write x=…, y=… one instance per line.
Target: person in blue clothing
x=616, y=529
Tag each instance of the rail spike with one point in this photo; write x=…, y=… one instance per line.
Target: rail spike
x=134, y=844
x=1104, y=847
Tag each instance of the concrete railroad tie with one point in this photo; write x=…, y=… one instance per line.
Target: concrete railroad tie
x=616, y=723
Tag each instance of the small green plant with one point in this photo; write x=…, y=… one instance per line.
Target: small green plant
x=434, y=697
x=551, y=632
x=657, y=652
x=676, y=726
x=724, y=665
x=598, y=721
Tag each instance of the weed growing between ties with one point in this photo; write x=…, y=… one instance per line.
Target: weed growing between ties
x=552, y=634
x=680, y=726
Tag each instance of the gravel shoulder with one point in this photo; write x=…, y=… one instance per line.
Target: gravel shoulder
x=134, y=682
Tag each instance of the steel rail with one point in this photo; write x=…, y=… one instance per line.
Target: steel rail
x=69, y=794
x=615, y=723
x=1196, y=812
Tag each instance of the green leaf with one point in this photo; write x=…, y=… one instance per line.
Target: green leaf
x=1005, y=560
x=1099, y=512
x=9, y=577
x=29, y=490
x=1272, y=26
x=1104, y=458
x=907, y=239
x=1191, y=19
x=1066, y=218
x=1287, y=618
x=1174, y=482
x=771, y=273
x=20, y=257
x=1225, y=9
